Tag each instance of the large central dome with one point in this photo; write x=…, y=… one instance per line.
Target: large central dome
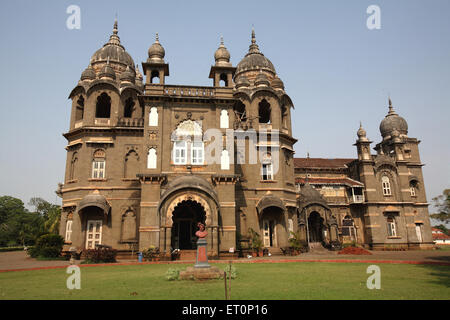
x=114, y=52
x=254, y=62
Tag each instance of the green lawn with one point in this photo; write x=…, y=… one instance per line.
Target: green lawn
x=306, y=280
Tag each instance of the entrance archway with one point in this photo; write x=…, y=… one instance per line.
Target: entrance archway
x=185, y=217
x=315, y=224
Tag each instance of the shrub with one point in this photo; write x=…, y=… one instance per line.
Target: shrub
x=151, y=253
x=100, y=255
x=172, y=274
x=230, y=269
x=47, y=246
x=354, y=250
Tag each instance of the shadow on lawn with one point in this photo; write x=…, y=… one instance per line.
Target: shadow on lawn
x=442, y=273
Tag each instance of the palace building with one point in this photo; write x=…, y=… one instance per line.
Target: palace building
x=137, y=171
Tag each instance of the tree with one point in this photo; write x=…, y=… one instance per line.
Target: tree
x=442, y=203
x=442, y=228
x=50, y=212
x=10, y=206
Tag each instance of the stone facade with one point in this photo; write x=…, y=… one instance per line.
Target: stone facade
x=137, y=173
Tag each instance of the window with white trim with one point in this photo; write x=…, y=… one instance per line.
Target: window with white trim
x=151, y=159
x=267, y=167
x=197, y=152
x=412, y=188
x=98, y=169
x=386, y=185
x=180, y=152
x=392, y=229
x=68, y=237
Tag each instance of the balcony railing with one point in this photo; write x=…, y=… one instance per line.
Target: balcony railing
x=185, y=91
x=357, y=199
x=131, y=122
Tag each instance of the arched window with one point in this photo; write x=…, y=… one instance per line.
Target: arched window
x=129, y=107
x=153, y=117
x=413, y=188
x=131, y=165
x=154, y=74
x=223, y=81
x=188, y=140
x=151, y=159
x=99, y=165
x=264, y=111
x=386, y=185
x=284, y=116
x=129, y=226
x=391, y=226
x=68, y=237
x=79, y=112
x=224, y=119
x=267, y=168
x=224, y=160
x=239, y=111
x=73, y=166
x=103, y=107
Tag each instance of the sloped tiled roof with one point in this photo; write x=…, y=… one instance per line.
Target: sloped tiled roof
x=322, y=163
x=333, y=181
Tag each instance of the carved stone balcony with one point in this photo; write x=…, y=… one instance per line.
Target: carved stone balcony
x=130, y=122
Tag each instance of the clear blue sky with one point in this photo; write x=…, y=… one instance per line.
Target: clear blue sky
x=336, y=71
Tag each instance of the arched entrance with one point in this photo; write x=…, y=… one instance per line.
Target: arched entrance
x=185, y=217
x=315, y=226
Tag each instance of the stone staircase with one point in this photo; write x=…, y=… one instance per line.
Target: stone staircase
x=317, y=248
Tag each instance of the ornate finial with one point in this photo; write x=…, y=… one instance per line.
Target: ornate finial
x=115, y=29
x=253, y=47
x=221, y=40
x=391, y=108
x=114, y=38
x=157, y=38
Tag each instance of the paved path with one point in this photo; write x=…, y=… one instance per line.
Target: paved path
x=18, y=260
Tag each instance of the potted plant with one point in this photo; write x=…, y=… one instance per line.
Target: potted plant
x=256, y=242
x=295, y=243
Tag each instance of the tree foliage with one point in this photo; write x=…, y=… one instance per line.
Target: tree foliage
x=442, y=204
x=19, y=226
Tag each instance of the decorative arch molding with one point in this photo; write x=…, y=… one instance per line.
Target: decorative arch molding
x=188, y=196
x=79, y=89
x=102, y=85
x=322, y=210
x=129, y=88
x=264, y=93
x=242, y=96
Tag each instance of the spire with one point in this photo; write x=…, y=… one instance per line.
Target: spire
x=391, y=108
x=157, y=38
x=114, y=38
x=253, y=47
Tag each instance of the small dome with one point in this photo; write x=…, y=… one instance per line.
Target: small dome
x=156, y=52
x=392, y=122
x=261, y=80
x=222, y=56
x=88, y=73
x=107, y=71
x=361, y=133
x=254, y=60
x=277, y=83
x=114, y=51
x=127, y=75
x=242, y=81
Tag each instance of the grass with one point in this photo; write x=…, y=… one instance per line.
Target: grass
x=286, y=281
